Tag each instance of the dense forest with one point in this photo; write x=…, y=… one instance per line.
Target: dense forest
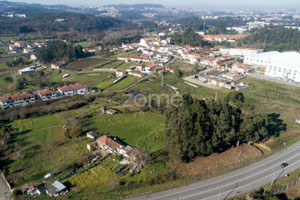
x=57, y=50
x=277, y=38
x=45, y=23
x=213, y=26
x=189, y=37
x=199, y=128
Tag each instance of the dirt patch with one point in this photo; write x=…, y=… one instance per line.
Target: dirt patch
x=2, y=60
x=84, y=63
x=217, y=164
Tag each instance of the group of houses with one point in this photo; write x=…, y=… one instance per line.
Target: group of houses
x=47, y=94
x=112, y=145
x=52, y=189
x=23, y=47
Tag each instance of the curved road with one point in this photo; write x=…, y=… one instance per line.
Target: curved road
x=236, y=182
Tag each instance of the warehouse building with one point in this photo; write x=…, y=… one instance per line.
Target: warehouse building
x=280, y=65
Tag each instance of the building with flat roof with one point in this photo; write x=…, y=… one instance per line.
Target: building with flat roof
x=284, y=65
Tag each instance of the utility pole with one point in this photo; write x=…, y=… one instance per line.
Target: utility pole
x=264, y=45
x=219, y=194
x=216, y=97
x=273, y=177
x=162, y=77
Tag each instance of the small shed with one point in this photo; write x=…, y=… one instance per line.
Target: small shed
x=111, y=111
x=91, y=135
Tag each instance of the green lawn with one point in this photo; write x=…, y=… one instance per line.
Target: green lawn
x=124, y=83
x=83, y=44
x=90, y=79
x=131, y=127
x=269, y=97
x=96, y=178
x=106, y=83
x=40, y=148
x=125, y=65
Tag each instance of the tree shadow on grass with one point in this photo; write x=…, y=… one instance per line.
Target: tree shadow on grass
x=275, y=125
x=14, y=136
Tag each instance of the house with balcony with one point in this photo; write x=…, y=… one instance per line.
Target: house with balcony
x=17, y=100
x=71, y=90
x=47, y=94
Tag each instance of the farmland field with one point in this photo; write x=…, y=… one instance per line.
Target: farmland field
x=131, y=127
x=40, y=148
x=90, y=79
x=96, y=178
x=124, y=83
x=84, y=63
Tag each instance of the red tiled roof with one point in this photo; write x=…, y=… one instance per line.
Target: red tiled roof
x=110, y=142
x=152, y=65
x=72, y=87
x=45, y=92
x=233, y=72
x=16, y=96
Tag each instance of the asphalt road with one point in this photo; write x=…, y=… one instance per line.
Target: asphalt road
x=237, y=182
x=5, y=193
x=271, y=79
x=199, y=82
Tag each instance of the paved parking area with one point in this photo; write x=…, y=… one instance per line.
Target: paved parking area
x=5, y=193
x=198, y=82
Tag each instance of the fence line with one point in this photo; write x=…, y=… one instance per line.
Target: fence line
x=286, y=187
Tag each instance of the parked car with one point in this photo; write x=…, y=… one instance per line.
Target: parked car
x=49, y=175
x=283, y=165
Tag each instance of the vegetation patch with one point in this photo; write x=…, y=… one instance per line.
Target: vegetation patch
x=85, y=63
x=130, y=127
x=96, y=178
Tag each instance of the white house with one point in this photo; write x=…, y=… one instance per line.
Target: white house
x=55, y=189
x=17, y=100
x=242, y=68
x=33, y=57
x=47, y=94
x=57, y=65
x=27, y=50
x=73, y=89
x=27, y=70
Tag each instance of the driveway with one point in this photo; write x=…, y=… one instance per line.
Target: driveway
x=237, y=182
x=5, y=193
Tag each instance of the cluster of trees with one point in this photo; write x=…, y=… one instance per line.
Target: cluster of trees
x=189, y=37
x=17, y=61
x=57, y=51
x=277, y=38
x=199, y=128
x=212, y=26
x=44, y=23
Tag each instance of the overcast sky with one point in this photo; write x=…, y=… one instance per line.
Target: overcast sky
x=196, y=4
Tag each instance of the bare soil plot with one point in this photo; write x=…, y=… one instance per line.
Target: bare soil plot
x=85, y=63
x=217, y=164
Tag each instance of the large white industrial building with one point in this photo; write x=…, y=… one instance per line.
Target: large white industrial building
x=240, y=51
x=280, y=65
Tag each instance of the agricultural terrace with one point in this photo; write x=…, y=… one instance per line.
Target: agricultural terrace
x=86, y=63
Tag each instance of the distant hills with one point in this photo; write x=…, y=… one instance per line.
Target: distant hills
x=25, y=8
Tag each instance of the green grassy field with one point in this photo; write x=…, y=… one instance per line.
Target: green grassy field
x=90, y=79
x=96, y=178
x=124, y=83
x=125, y=65
x=131, y=127
x=40, y=148
x=83, y=44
